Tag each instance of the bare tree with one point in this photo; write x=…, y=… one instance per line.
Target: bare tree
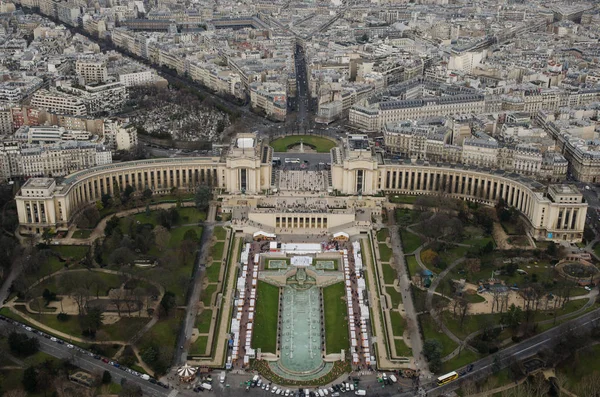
x=81, y=297
x=463, y=306
x=161, y=237
x=116, y=297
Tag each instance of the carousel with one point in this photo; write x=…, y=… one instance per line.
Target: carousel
x=186, y=373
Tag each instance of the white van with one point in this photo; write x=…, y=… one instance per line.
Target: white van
x=393, y=378
x=255, y=378
x=352, y=386
x=206, y=386
x=222, y=377
x=360, y=392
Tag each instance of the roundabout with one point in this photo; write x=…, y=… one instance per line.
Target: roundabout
x=293, y=142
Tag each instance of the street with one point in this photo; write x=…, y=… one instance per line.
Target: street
x=520, y=351
x=88, y=363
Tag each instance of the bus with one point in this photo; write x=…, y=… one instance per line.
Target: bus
x=449, y=377
x=292, y=160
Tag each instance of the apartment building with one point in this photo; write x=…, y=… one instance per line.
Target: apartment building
x=92, y=70
x=270, y=98
x=59, y=102
x=375, y=117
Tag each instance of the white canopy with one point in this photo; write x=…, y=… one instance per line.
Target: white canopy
x=263, y=234
x=301, y=261
x=186, y=371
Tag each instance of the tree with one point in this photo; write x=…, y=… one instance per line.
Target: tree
x=21, y=345
x=131, y=390
x=147, y=193
x=161, y=237
x=128, y=192
x=106, y=200
x=92, y=320
x=111, y=225
x=432, y=350
x=116, y=297
x=512, y=317
x=167, y=302
x=463, y=306
x=48, y=296
x=47, y=235
x=187, y=250
x=472, y=266
x=88, y=217
x=429, y=257
x=106, y=378
x=122, y=256
x=552, y=250
x=30, y=381
x=203, y=197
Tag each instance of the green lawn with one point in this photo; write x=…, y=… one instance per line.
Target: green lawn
x=472, y=323
x=385, y=252
x=216, y=251
x=398, y=323
x=82, y=233
x=474, y=298
x=389, y=273
x=178, y=233
x=71, y=326
x=336, y=325
x=410, y=241
x=199, y=346
x=75, y=252
x=395, y=296
x=203, y=321
x=402, y=199
x=265, y=319
x=401, y=349
x=163, y=335
x=220, y=233
x=478, y=242
x=382, y=235
x=429, y=330
x=206, y=296
x=405, y=217
x=465, y=357
x=190, y=215
x=212, y=272
x=320, y=144
x=125, y=328
x=413, y=265
x=509, y=227
x=187, y=215
x=597, y=249
x=452, y=254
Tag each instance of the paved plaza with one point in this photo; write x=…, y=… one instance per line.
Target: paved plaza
x=304, y=181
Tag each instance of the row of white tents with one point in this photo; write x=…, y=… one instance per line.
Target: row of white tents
x=239, y=339
x=357, y=338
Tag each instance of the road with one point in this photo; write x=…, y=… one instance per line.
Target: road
x=416, y=342
x=522, y=350
x=302, y=88
x=88, y=363
x=193, y=298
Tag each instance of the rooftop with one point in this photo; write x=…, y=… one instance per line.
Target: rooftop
x=38, y=183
